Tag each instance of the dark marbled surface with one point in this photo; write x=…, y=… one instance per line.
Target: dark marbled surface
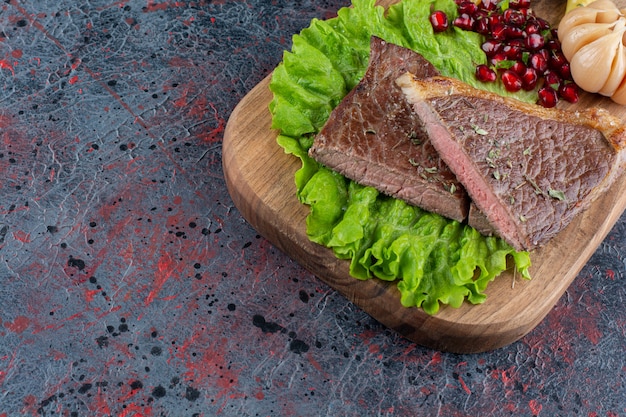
x=131, y=286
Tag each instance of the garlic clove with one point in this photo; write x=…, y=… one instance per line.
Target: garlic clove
x=576, y=17
x=591, y=64
x=582, y=35
x=617, y=74
x=602, y=5
x=619, y=96
x=608, y=16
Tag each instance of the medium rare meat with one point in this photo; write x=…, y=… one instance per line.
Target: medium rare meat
x=528, y=169
x=374, y=138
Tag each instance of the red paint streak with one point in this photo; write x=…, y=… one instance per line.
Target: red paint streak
x=464, y=386
x=18, y=325
x=151, y=6
x=611, y=274
x=180, y=63
x=21, y=236
x=4, y=64
x=16, y=53
x=73, y=80
x=209, y=365
x=535, y=407
x=165, y=267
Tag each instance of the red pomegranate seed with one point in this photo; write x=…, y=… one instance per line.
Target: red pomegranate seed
x=543, y=24
x=552, y=79
x=439, y=21
x=529, y=79
x=519, y=43
x=485, y=74
x=519, y=4
x=494, y=19
x=556, y=60
x=569, y=92
x=513, y=32
x=514, y=17
x=464, y=21
x=489, y=4
x=512, y=82
x=532, y=27
x=534, y=41
x=512, y=52
x=491, y=47
x=468, y=7
x=553, y=44
x=497, y=59
x=498, y=31
x=538, y=62
x=481, y=26
x=519, y=68
x=547, y=96
x=565, y=71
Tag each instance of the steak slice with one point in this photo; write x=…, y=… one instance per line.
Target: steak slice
x=374, y=138
x=528, y=169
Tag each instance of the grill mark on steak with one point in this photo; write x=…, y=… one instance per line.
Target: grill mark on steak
x=374, y=138
x=528, y=169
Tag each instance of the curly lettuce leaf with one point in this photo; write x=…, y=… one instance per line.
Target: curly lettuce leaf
x=434, y=260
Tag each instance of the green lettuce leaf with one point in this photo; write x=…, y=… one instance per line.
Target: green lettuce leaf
x=435, y=261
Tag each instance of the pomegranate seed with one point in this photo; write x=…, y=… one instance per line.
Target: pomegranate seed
x=552, y=79
x=480, y=14
x=547, y=96
x=544, y=53
x=464, y=21
x=519, y=68
x=494, y=19
x=538, y=62
x=489, y=4
x=543, y=24
x=512, y=52
x=439, y=21
x=490, y=47
x=532, y=27
x=514, y=17
x=565, y=71
x=512, y=82
x=534, y=41
x=556, y=60
x=529, y=79
x=553, y=44
x=513, y=32
x=481, y=26
x=519, y=43
x=519, y=4
x=497, y=59
x=498, y=31
x=569, y=92
x=485, y=74
x=467, y=7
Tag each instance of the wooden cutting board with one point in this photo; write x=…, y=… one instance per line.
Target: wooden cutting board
x=260, y=180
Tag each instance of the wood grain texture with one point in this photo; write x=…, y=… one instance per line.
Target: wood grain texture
x=260, y=180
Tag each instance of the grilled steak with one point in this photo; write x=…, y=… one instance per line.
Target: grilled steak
x=528, y=169
x=374, y=138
